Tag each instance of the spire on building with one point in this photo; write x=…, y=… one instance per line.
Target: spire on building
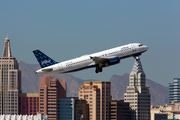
x=137, y=67
x=137, y=75
x=7, y=49
x=138, y=93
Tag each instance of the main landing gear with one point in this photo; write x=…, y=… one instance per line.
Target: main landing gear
x=98, y=68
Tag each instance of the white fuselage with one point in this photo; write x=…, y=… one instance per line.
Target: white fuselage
x=84, y=62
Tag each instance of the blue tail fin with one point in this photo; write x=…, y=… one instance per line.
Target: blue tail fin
x=43, y=59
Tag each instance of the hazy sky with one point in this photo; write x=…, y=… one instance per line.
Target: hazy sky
x=67, y=29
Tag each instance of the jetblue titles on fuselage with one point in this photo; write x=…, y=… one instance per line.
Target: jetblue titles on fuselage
x=98, y=60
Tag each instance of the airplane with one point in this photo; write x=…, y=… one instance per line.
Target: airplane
x=98, y=60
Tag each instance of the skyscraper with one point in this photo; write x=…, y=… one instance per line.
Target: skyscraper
x=10, y=81
x=174, y=90
x=50, y=90
x=137, y=93
x=66, y=108
x=98, y=96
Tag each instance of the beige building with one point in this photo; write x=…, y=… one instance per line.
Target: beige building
x=50, y=90
x=172, y=110
x=137, y=93
x=98, y=96
x=10, y=81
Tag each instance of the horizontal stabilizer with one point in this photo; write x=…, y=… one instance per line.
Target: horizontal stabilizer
x=47, y=70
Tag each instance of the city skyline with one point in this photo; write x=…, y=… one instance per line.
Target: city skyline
x=7, y=51
x=87, y=27
x=97, y=94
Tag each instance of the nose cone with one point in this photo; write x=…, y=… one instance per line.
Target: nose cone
x=145, y=47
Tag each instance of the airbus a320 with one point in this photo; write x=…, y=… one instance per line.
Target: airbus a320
x=97, y=60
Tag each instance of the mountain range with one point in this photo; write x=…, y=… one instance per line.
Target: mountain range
x=30, y=84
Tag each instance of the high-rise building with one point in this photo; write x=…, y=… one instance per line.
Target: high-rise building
x=50, y=90
x=81, y=110
x=174, y=90
x=66, y=108
x=137, y=93
x=28, y=103
x=98, y=96
x=120, y=110
x=10, y=81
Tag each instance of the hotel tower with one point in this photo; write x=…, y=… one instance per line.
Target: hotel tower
x=10, y=81
x=98, y=96
x=50, y=90
x=174, y=90
x=137, y=93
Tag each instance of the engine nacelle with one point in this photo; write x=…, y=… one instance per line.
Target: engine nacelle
x=113, y=61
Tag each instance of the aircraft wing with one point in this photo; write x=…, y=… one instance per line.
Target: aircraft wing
x=99, y=60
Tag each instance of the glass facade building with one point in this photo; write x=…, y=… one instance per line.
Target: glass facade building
x=66, y=108
x=174, y=90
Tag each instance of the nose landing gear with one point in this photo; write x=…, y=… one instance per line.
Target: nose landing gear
x=136, y=57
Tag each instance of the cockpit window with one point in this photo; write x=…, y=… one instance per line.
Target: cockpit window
x=140, y=45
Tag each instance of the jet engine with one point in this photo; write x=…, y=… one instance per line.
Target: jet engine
x=113, y=61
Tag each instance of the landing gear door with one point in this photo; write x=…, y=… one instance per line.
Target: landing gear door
x=133, y=47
